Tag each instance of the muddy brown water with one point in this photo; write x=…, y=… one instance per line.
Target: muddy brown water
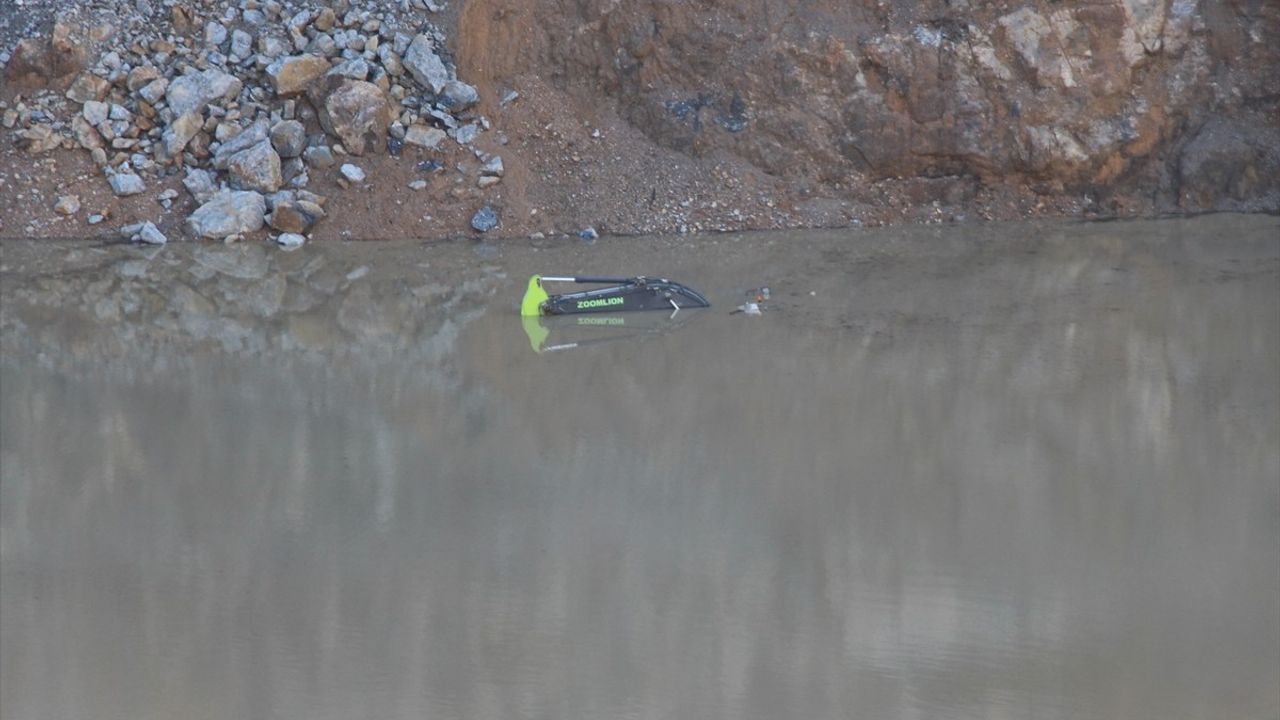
x=990, y=471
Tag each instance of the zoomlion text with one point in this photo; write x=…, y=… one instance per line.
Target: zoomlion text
x=599, y=302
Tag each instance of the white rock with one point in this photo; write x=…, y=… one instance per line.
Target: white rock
x=400, y=43
x=465, y=134
x=96, y=112
x=356, y=69
x=301, y=20
x=390, y=60
x=126, y=183
x=271, y=47
x=200, y=184
x=215, y=33
x=225, y=131
x=352, y=173
x=425, y=66
x=228, y=213
x=150, y=235
x=423, y=136
x=291, y=240
x=241, y=44
x=493, y=166
x=192, y=93
x=154, y=91
x=247, y=138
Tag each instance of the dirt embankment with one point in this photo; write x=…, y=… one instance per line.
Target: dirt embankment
x=659, y=116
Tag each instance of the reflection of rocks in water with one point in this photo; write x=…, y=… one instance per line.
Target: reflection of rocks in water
x=240, y=299
x=245, y=261
x=944, y=481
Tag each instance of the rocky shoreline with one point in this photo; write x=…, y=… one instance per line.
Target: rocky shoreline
x=151, y=120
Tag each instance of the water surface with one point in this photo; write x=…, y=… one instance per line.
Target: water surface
x=993, y=471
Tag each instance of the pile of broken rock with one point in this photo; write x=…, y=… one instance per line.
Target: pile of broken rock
x=228, y=98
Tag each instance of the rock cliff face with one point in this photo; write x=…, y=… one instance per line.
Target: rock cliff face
x=1167, y=104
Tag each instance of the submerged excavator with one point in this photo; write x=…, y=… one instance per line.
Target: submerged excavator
x=618, y=295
